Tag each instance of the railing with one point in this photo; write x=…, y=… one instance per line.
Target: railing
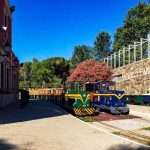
x=138, y=51
x=52, y=94
x=46, y=91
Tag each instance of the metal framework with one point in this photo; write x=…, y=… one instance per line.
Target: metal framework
x=137, y=51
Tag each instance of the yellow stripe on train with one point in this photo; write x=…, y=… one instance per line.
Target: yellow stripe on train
x=119, y=97
x=78, y=96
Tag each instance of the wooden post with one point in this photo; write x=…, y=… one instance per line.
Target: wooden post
x=141, y=48
x=114, y=59
x=123, y=56
x=134, y=51
x=129, y=54
x=111, y=61
x=148, y=38
x=104, y=60
x=108, y=61
x=119, y=57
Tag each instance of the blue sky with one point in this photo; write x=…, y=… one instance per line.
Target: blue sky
x=50, y=28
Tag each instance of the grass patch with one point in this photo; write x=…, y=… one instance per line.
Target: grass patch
x=147, y=128
x=117, y=133
x=132, y=137
x=88, y=119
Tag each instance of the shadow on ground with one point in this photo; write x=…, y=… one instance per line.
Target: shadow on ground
x=34, y=110
x=4, y=145
x=128, y=147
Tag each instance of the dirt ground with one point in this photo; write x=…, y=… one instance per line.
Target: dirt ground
x=44, y=126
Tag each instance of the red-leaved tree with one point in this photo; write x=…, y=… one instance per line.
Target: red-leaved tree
x=90, y=71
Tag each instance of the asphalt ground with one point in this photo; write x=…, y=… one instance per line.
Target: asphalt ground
x=44, y=126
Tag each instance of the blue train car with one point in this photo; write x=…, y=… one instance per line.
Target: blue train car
x=146, y=99
x=113, y=101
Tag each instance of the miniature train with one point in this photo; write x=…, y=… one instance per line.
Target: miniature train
x=90, y=98
x=139, y=99
x=86, y=99
x=113, y=101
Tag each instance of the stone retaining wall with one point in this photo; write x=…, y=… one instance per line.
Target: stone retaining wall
x=133, y=78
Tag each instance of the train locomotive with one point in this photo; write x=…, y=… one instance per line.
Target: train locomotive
x=78, y=100
x=113, y=101
x=87, y=99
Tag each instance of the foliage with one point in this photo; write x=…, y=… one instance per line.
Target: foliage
x=146, y=128
x=51, y=72
x=56, y=82
x=88, y=119
x=136, y=25
x=81, y=53
x=25, y=74
x=102, y=45
x=90, y=71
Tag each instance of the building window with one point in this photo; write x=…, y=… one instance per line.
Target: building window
x=5, y=22
x=0, y=75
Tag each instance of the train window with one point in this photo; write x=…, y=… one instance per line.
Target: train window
x=91, y=87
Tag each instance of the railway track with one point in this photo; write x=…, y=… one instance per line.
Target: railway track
x=127, y=133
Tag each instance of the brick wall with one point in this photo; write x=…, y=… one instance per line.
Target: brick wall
x=9, y=63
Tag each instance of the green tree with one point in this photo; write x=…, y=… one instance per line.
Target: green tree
x=136, y=26
x=59, y=67
x=44, y=77
x=35, y=73
x=102, y=45
x=25, y=75
x=56, y=82
x=51, y=72
x=80, y=54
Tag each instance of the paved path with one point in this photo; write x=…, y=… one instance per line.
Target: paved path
x=129, y=124
x=141, y=111
x=43, y=126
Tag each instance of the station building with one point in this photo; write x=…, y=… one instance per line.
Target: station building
x=9, y=64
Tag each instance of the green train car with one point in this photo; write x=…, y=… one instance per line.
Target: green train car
x=139, y=99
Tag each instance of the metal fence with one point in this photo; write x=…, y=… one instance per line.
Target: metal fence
x=137, y=51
